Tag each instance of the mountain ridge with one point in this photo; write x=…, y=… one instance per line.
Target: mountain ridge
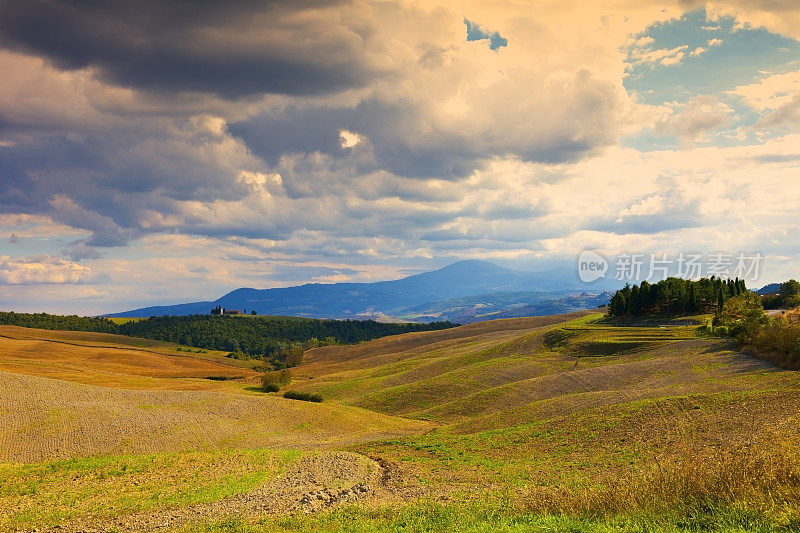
x=462, y=279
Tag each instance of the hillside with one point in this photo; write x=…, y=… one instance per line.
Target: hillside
x=116, y=360
x=567, y=422
x=404, y=297
x=517, y=371
x=77, y=394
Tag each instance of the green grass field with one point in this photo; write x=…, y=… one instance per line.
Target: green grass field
x=570, y=423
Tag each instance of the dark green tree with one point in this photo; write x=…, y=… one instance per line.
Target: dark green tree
x=636, y=300
x=618, y=305
x=788, y=289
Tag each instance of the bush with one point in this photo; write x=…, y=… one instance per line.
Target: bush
x=237, y=354
x=304, y=396
x=779, y=342
x=270, y=387
x=276, y=378
x=792, y=301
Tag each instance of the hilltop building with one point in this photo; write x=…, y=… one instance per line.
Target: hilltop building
x=219, y=311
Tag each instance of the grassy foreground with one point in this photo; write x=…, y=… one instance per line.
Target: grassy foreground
x=107, y=486
x=489, y=516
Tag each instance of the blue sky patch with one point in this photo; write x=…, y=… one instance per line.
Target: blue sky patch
x=476, y=33
x=674, y=61
x=677, y=59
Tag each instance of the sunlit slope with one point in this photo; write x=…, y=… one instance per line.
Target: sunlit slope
x=72, y=394
x=115, y=360
x=509, y=372
x=47, y=419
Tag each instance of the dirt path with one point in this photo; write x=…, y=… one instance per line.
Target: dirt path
x=312, y=484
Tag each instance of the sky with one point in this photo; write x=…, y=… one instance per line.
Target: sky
x=165, y=151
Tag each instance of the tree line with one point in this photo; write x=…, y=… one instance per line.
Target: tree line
x=787, y=297
x=675, y=296
x=280, y=341
x=737, y=312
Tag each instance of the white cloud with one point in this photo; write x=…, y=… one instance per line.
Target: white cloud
x=662, y=56
x=349, y=139
x=42, y=269
x=694, y=120
x=771, y=91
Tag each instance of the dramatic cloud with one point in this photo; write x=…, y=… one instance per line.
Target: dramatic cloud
x=180, y=149
x=236, y=48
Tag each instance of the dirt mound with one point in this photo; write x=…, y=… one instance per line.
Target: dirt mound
x=314, y=483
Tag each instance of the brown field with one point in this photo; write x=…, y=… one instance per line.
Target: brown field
x=115, y=360
x=46, y=419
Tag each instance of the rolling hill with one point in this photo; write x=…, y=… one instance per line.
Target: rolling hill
x=78, y=394
x=410, y=297
x=568, y=422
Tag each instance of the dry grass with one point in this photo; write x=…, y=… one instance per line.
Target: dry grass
x=511, y=372
x=45, y=419
x=114, y=360
x=762, y=473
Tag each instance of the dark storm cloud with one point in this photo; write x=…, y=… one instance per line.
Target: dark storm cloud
x=393, y=132
x=233, y=48
x=108, y=185
x=294, y=130
x=409, y=137
x=125, y=164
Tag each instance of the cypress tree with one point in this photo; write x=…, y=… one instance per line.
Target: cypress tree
x=644, y=295
x=636, y=301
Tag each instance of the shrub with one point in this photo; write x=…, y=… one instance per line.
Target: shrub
x=273, y=381
x=779, y=342
x=304, y=396
x=792, y=301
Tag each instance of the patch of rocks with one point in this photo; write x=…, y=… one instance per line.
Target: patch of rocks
x=313, y=501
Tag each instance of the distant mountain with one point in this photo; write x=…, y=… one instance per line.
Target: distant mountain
x=506, y=305
x=392, y=298
x=772, y=288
